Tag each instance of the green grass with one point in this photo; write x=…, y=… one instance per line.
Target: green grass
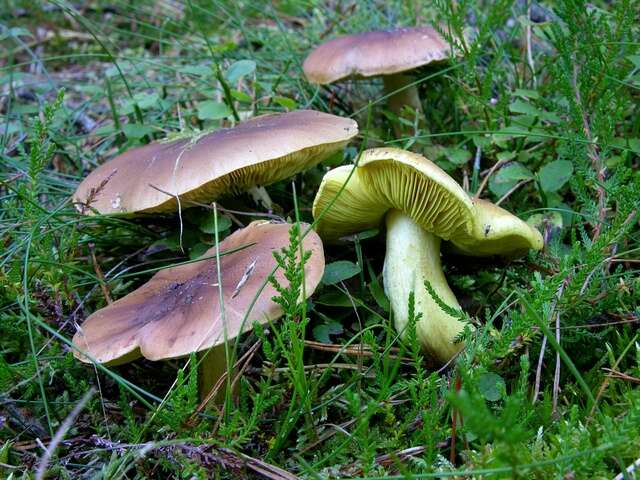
x=547, y=385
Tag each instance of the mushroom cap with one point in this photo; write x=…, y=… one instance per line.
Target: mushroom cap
x=497, y=232
x=391, y=178
x=177, y=311
x=370, y=54
x=260, y=151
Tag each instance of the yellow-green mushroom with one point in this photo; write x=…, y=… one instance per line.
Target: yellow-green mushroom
x=421, y=206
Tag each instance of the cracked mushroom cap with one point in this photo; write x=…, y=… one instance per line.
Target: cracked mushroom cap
x=372, y=54
x=391, y=178
x=497, y=232
x=177, y=311
x=260, y=151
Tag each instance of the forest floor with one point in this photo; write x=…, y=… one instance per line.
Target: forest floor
x=540, y=112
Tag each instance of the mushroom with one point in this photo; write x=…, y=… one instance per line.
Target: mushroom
x=178, y=310
x=421, y=205
x=387, y=53
x=497, y=232
x=260, y=151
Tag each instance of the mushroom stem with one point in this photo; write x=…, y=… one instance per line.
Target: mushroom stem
x=260, y=195
x=407, y=95
x=212, y=366
x=413, y=256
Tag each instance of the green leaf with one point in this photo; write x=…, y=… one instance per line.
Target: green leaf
x=376, y=290
x=136, y=131
x=197, y=70
x=212, y=110
x=514, y=172
x=525, y=93
x=555, y=174
x=506, y=155
x=172, y=242
x=91, y=89
x=333, y=299
x=334, y=160
x=286, y=102
x=239, y=69
x=338, y=271
x=507, y=177
x=459, y=156
x=103, y=131
x=10, y=128
x=198, y=250
x=550, y=117
x=365, y=234
x=481, y=141
x=16, y=32
x=635, y=59
x=627, y=143
x=492, y=386
x=146, y=100
x=113, y=71
x=241, y=96
x=321, y=332
x=207, y=225
x=518, y=106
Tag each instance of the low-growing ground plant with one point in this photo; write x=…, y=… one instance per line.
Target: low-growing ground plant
x=539, y=113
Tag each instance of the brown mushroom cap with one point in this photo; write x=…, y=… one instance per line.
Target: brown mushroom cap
x=376, y=53
x=177, y=311
x=260, y=151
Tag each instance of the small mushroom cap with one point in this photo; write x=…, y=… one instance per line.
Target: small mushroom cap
x=391, y=178
x=177, y=311
x=260, y=151
x=375, y=53
x=497, y=232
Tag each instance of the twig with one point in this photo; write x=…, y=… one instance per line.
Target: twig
x=364, y=350
x=604, y=324
x=327, y=366
x=386, y=459
x=629, y=471
x=455, y=414
x=592, y=150
x=556, y=374
x=99, y=274
x=536, y=390
x=94, y=192
x=486, y=178
x=621, y=376
x=205, y=455
x=261, y=467
x=624, y=260
x=194, y=203
x=244, y=361
x=513, y=189
x=529, y=50
x=606, y=381
x=328, y=434
x=556, y=378
x=585, y=285
x=57, y=438
x=355, y=310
